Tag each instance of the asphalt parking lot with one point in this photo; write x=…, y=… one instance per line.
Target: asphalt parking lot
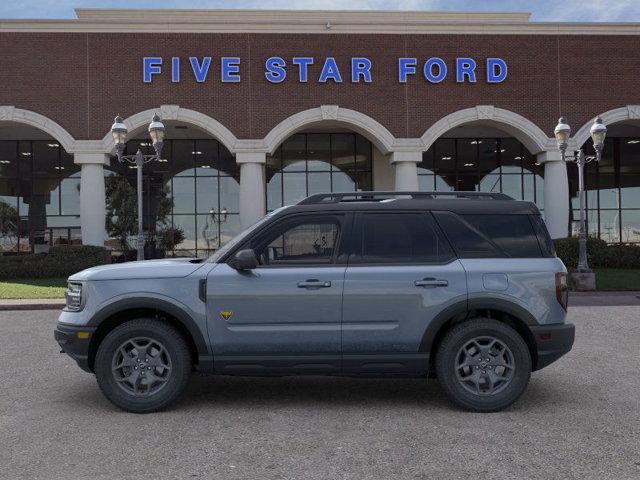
x=580, y=418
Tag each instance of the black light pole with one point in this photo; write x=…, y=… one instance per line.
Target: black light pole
x=562, y=133
x=156, y=132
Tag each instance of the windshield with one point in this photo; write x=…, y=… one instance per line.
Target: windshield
x=238, y=239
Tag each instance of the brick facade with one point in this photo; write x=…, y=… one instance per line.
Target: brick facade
x=81, y=80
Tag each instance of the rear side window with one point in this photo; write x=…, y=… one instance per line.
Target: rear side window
x=400, y=238
x=467, y=240
x=544, y=239
x=513, y=234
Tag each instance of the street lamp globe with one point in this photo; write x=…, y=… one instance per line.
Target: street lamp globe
x=119, y=133
x=156, y=132
x=598, y=133
x=562, y=133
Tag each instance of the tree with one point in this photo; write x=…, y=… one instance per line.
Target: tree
x=9, y=222
x=122, y=210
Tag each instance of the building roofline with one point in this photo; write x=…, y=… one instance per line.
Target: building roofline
x=310, y=21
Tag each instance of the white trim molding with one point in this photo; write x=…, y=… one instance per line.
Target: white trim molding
x=512, y=123
x=374, y=131
x=9, y=113
x=328, y=22
x=617, y=115
x=177, y=113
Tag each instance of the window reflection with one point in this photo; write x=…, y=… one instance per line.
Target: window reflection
x=308, y=163
x=39, y=196
x=191, y=196
x=501, y=165
x=612, y=191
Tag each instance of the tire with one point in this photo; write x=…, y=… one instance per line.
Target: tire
x=481, y=381
x=143, y=365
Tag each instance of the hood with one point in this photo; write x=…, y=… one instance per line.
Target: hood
x=147, y=269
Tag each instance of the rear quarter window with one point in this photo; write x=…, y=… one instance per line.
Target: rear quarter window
x=513, y=234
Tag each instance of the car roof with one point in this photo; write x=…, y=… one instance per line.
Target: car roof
x=457, y=202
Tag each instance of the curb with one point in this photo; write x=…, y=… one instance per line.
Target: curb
x=5, y=306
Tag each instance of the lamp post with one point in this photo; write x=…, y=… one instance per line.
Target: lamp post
x=156, y=132
x=562, y=133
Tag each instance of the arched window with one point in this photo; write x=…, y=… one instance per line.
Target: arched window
x=39, y=194
x=191, y=197
x=482, y=164
x=308, y=163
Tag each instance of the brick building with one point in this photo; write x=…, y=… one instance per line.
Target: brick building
x=265, y=107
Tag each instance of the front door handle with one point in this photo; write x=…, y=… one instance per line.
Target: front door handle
x=313, y=283
x=431, y=283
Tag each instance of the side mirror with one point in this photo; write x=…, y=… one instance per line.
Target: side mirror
x=245, y=260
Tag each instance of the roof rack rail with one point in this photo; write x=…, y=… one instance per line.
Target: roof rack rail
x=377, y=196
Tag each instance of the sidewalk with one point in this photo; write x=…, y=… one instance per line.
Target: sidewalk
x=576, y=299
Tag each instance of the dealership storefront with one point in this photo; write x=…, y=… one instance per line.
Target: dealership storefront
x=264, y=108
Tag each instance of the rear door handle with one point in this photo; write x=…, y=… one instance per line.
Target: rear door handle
x=313, y=283
x=431, y=283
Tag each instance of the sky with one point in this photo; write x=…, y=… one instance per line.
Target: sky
x=542, y=10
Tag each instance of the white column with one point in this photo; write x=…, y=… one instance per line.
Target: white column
x=556, y=194
x=92, y=198
x=406, y=165
x=252, y=187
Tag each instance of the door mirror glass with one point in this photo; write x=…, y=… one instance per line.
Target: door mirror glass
x=245, y=260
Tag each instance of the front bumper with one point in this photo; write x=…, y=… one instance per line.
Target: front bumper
x=552, y=342
x=74, y=341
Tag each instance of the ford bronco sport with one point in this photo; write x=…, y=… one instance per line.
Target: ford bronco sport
x=465, y=286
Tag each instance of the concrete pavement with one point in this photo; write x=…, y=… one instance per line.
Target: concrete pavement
x=579, y=418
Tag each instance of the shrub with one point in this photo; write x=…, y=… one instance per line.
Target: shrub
x=599, y=254
x=61, y=261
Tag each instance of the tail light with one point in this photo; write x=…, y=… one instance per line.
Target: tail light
x=562, y=289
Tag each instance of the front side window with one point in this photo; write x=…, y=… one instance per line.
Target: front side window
x=301, y=243
x=400, y=238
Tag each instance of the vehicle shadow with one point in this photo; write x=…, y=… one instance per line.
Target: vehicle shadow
x=213, y=392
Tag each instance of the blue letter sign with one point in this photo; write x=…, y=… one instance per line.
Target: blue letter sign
x=434, y=69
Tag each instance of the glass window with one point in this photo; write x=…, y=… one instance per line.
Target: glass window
x=466, y=240
x=401, y=238
x=488, y=155
x=629, y=155
x=310, y=242
x=319, y=152
x=308, y=163
x=8, y=159
x=631, y=226
x=544, y=239
x=445, y=156
x=514, y=234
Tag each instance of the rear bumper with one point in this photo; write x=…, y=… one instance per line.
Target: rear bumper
x=552, y=342
x=74, y=345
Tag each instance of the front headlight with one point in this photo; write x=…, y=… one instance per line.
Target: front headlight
x=73, y=296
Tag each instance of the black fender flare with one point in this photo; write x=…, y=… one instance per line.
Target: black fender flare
x=464, y=307
x=155, y=303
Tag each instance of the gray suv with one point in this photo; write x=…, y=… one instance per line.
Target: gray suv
x=463, y=286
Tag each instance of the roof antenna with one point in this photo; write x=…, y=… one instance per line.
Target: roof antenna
x=328, y=26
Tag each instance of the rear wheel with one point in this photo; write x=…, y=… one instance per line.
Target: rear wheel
x=483, y=365
x=143, y=365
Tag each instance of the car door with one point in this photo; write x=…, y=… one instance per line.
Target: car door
x=401, y=274
x=283, y=316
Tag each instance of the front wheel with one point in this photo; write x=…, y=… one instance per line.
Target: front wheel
x=143, y=365
x=483, y=365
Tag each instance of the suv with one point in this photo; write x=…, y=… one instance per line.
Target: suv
x=465, y=286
